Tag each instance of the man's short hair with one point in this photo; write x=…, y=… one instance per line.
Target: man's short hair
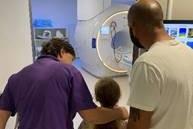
x=54, y=47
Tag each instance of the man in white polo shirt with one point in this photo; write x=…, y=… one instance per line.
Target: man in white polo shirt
x=162, y=78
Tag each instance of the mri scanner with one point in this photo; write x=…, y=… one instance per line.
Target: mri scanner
x=102, y=37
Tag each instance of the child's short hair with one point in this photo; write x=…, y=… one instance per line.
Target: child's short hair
x=107, y=92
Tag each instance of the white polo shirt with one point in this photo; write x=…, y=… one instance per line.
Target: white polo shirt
x=162, y=82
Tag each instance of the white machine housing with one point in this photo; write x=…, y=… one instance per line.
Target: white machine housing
x=92, y=47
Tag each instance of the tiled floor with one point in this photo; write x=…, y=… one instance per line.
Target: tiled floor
x=91, y=80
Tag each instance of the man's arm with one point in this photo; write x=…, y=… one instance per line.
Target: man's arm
x=101, y=115
x=4, y=116
x=139, y=119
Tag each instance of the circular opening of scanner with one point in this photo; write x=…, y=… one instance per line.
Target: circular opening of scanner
x=113, y=43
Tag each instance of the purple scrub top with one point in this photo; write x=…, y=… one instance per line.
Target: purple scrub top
x=46, y=95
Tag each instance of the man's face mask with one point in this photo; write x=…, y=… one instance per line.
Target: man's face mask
x=134, y=39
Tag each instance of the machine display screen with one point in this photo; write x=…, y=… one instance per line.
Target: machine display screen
x=105, y=30
x=181, y=30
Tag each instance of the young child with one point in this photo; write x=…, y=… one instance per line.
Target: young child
x=107, y=93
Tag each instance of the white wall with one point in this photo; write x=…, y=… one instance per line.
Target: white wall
x=164, y=6
x=182, y=9
x=178, y=9
x=15, y=39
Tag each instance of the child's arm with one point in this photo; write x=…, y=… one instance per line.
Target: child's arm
x=101, y=115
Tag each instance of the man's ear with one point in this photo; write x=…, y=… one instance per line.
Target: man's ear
x=134, y=30
x=61, y=52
